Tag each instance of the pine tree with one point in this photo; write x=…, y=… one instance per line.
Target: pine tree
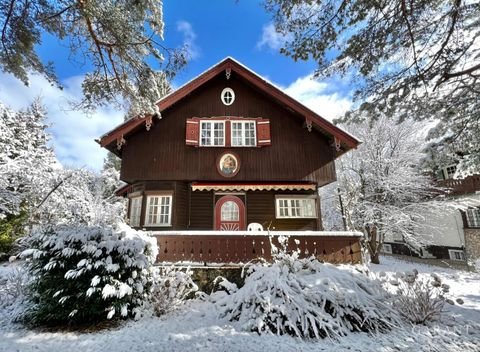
x=121, y=40
x=26, y=166
x=407, y=59
x=112, y=162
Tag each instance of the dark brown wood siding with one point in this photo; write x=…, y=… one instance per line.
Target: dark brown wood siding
x=261, y=209
x=179, y=191
x=161, y=153
x=201, y=211
x=195, y=210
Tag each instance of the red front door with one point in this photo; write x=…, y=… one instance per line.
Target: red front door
x=229, y=214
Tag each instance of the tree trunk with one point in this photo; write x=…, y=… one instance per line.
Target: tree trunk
x=373, y=246
x=375, y=257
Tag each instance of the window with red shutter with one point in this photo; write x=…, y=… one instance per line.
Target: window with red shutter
x=192, y=132
x=263, y=132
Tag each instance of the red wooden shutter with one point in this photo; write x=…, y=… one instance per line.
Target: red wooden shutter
x=192, y=132
x=263, y=132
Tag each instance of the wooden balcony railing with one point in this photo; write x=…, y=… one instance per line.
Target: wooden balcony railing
x=222, y=247
x=468, y=185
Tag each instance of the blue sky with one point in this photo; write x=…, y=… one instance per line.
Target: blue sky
x=211, y=30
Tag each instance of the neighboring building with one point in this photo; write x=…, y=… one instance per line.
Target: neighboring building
x=228, y=150
x=454, y=234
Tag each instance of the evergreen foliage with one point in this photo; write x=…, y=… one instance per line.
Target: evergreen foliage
x=85, y=274
x=408, y=59
x=112, y=162
x=120, y=40
x=26, y=160
x=26, y=166
x=12, y=227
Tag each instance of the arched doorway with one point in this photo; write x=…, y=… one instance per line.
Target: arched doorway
x=229, y=214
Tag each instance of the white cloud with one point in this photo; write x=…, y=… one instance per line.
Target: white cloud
x=189, y=39
x=321, y=97
x=73, y=132
x=271, y=38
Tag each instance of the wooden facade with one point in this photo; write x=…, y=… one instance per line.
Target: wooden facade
x=194, y=210
x=271, y=180
x=162, y=154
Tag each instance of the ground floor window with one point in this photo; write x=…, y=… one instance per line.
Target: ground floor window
x=473, y=217
x=159, y=210
x=456, y=254
x=387, y=248
x=135, y=211
x=287, y=207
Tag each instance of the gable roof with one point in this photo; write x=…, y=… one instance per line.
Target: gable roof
x=346, y=140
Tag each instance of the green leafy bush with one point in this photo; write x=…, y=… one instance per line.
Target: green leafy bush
x=12, y=227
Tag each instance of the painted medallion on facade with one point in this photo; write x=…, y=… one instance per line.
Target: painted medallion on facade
x=228, y=164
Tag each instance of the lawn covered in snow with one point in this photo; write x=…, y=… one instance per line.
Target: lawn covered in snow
x=196, y=327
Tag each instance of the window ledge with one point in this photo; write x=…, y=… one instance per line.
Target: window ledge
x=156, y=225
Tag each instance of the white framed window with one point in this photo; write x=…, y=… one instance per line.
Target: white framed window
x=135, y=211
x=244, y=134
x=473, y=217
x=212, y=133
x=295, y=207
x=227, y=96
x=387, y=248
x=159, y=210
x=450, y=171
x=456, y=254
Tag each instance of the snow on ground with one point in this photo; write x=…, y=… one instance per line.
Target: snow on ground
x=195, y=327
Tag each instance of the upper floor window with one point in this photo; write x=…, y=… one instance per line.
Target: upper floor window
x=228, y=96
x=135, y=210
x=473, y=217
x=159, y=210
x=212, y=133
x=243, y=134
x=295, y=207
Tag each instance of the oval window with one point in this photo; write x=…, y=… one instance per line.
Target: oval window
x=228, y=96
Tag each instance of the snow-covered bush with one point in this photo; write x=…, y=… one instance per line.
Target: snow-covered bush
x=171, y=287
x=308, y=299
x=14, y=282
x=87, y=273
x=419, y=299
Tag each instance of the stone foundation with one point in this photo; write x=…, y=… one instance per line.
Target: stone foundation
x=472, y=244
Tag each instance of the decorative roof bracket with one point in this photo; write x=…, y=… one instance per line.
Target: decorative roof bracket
x=308, y=124
x=148, y=122
x=120, y=141
x=228, y=72
x=337, y=144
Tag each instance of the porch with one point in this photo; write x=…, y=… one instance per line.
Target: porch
x=237, y=247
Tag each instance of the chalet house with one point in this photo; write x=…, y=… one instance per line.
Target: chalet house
x=230, y=152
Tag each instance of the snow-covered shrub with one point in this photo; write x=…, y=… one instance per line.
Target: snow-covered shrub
x=88, y=273
x=171, y=287
x=308, y=299
x=418, y=299
x=14, y=281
